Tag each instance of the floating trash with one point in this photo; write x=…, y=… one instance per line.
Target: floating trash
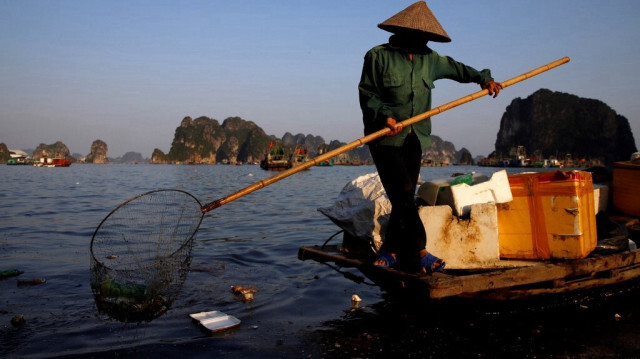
x=215, y=320
x=31, y=282
x=245, y=292
x=18, y=320
x=10, y=273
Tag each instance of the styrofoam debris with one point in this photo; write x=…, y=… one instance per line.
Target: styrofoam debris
x=215, y=320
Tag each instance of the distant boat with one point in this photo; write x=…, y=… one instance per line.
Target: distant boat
x=17, y=161
x=275, y=159
x=346, y=161
x=322, y=150
x=299, y=156
x=17, y=153
x=327, y=163
x=58, y=161
x=18, y=157
x=356, y=162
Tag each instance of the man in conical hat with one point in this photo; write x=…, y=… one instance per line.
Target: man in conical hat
x=396, y=83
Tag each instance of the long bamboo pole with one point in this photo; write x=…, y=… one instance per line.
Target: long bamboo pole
x=363, y=140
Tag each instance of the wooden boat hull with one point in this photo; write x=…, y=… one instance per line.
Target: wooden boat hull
x=53, y=162
x=275, y=165
x=500, y=284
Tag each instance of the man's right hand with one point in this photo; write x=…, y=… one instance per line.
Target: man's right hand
x=493, y=88
x=396, y=128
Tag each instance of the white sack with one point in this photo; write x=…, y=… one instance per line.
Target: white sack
x=362, y=209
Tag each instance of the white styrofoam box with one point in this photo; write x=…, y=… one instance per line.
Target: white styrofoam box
x=495, y=190
x=433, y=191
x=461, y=196
x=600, y=197
x=463, y=243
x=215, y=320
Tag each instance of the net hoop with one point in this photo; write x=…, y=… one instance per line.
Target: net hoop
x=141, y=254
x=186, y=242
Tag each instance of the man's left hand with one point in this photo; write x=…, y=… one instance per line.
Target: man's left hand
x=493, y=87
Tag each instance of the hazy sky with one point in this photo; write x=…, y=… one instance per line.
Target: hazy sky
x=127, y=72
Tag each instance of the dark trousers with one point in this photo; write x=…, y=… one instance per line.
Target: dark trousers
x=399, y=168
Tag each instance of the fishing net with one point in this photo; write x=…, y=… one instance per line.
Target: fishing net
x=141, y=252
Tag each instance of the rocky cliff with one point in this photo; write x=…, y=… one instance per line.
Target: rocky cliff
x=196, y=141
x=53, y=150
x=246, y=141
x=312, y=143
x=158, y=157
x=4, y=153
x=440, y=152
x=98, y=154
x=205, y=140
x=129, y=158
x=556, y=124
x=464, y=157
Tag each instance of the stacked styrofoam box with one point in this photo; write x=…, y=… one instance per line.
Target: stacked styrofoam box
x=463, y=243
x=461, y=196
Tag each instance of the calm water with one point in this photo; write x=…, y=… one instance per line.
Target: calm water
x=301, y=309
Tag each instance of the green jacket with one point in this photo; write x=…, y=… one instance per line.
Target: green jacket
x=394, y=86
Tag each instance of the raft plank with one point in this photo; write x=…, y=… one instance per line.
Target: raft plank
x=569, y=286
x=317, y=254
x=441, y=287
x=505, y=283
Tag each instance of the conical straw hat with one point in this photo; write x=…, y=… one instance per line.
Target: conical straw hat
x=416, y=17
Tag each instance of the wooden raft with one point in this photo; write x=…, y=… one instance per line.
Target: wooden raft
x=501, y=283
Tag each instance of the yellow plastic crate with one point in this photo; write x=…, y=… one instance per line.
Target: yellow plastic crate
x=552, y=215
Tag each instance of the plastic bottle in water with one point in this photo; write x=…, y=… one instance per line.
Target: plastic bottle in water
x=10, y=273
